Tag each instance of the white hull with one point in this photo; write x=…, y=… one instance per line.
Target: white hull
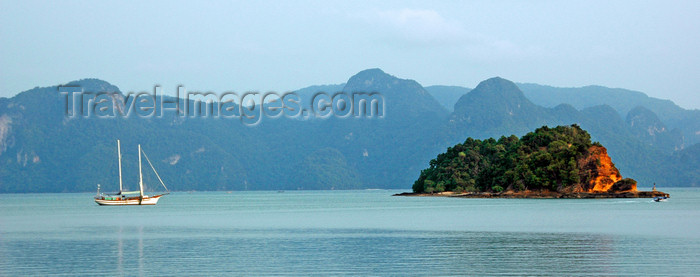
x=129, y=201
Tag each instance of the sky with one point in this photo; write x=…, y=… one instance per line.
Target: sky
x=239, y=46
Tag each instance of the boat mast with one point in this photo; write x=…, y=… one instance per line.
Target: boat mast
x=119, y=154
x=140, y=178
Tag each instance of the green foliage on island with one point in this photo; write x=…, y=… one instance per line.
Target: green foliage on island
x=542, y=160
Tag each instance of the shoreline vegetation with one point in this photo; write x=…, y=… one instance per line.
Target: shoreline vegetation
x=539, y=194
x=560, y=162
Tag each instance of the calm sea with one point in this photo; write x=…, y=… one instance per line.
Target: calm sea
x=331, y=233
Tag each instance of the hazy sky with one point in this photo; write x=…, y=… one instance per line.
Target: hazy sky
x=649, y=46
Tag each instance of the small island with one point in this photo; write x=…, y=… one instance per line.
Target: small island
x=559, y=162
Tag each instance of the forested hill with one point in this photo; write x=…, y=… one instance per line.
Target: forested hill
x=561, y=159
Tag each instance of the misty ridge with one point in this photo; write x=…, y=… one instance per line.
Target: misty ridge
x=250, y=107
x=44, y=150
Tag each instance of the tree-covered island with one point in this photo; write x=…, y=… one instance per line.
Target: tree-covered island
x=559, y=162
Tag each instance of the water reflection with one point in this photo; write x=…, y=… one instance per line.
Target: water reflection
x=183, y=251
x=124, y=241
x=361, y=252
x=141, y=256
x=120, y=251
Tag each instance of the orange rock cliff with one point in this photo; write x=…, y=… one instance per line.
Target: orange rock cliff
x=599, y=174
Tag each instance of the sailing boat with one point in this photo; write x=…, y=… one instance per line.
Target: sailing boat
x=130, y=197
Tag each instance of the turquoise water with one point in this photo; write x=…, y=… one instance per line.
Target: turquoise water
x=348, y=233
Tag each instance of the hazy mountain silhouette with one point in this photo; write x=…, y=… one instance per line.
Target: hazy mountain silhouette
x=42, y=150
x=497, y=107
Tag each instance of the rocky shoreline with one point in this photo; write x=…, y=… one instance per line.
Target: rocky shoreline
x=540, y=194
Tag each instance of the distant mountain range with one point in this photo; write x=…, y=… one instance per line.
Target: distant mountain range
x=42, y=150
